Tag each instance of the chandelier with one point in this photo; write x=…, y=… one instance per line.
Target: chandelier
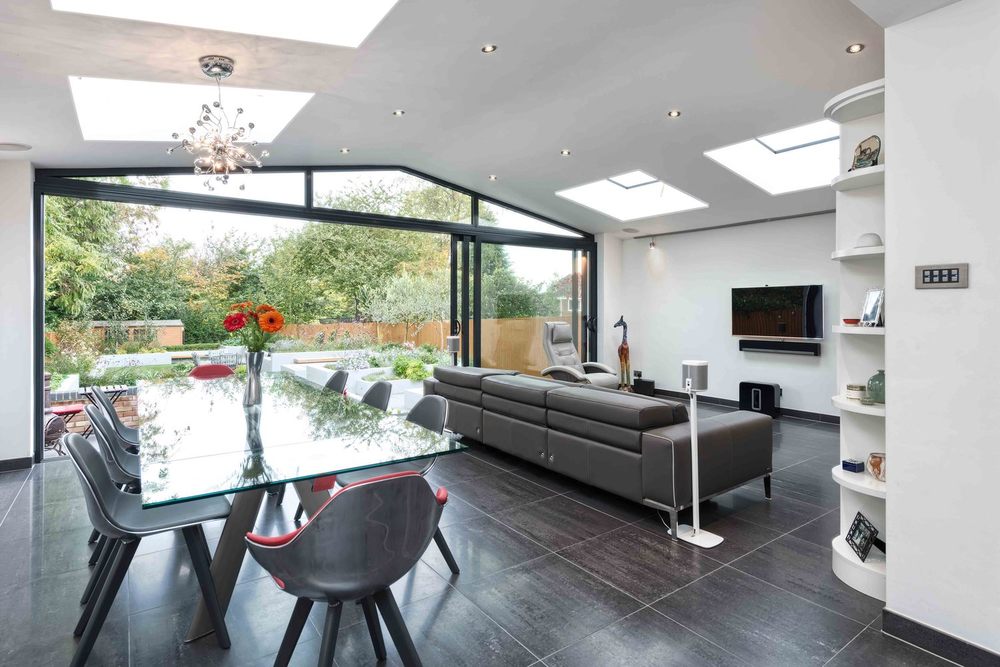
x=215, y=139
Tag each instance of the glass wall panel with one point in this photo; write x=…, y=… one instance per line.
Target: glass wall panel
x=387, y=192
x=495, y=215
x=522, y=288
x=269, y=186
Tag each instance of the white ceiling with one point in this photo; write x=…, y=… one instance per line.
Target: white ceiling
x=594, y=77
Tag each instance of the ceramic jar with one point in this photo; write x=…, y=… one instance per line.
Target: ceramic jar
x=876, y=465
x=876, y=387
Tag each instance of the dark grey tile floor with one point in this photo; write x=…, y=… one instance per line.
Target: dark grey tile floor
x=553, y=573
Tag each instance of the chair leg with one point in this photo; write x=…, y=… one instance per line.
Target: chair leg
x=298, y=513
x=281, y=496
x=330, y=630
x=767, y=486
x=202, y=561
x=397, y=628
x=93, y=536
x=445, y=551
x=295, y=624
x=95, y=576
x=123, y=558
x=98, y=550
x=102, y=580
x=374, y=627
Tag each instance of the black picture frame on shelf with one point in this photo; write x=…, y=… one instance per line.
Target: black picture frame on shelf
x=862, y=536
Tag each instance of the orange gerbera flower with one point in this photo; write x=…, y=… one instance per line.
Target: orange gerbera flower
x=265, y=308
x=271, y=321
x=243, y=305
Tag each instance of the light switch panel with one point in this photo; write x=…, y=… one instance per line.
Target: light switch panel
x=942, y=276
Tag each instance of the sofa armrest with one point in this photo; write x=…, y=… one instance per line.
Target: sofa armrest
x=594, y=367
x=565, y=373
x=733, y=449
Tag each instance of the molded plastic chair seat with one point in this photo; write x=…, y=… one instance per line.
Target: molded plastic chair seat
x=337, y=382
x=210, y=372
x=126, y=465
x=128, y=433
x=378, y=395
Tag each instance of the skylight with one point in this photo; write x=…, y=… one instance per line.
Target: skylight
x=632, y=196
x=800, y=158
x=335, y=22
x=156, y=110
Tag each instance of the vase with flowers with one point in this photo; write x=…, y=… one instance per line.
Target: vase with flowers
x=256, y=325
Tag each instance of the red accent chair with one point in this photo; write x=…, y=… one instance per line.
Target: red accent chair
x=362, y=540
x=210, y=372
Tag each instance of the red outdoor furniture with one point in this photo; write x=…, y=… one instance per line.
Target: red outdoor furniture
x=210, y=372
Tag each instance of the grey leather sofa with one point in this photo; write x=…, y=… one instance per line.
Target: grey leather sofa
x=634, y=446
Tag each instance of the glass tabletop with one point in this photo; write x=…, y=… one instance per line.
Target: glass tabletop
x=198, y=440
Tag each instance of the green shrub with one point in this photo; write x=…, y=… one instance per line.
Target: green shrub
x=409, y=368
x=50, y=347
x=192, y=346
x=130, y=375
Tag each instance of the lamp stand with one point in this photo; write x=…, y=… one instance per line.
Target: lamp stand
x=694, y=534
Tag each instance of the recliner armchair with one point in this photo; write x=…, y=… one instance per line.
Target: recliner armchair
x=566, y=365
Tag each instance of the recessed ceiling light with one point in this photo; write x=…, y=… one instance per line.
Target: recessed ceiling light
x=565, y=152
x=855, y=48
x=488, y=48
x=493, y=177
x=797, y=159
x=674, y=113
x=630, y=230
x=345, y=151
x=164, y=103
x=13, y=148
x=631, y=196
x=325, y=22
x=398, y=112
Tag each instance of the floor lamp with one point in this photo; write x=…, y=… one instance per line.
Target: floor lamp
x=695, y=379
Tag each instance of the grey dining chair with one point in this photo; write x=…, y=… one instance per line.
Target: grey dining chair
x=378, y=395
x=127, y=433
x=338, y=382
x=123, y=465
x=120, y=517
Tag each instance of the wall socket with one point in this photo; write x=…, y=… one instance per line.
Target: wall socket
x=637, y=374
x=942, y=276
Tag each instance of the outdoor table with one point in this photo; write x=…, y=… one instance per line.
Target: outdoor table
x=113, y=392
x=197, y=440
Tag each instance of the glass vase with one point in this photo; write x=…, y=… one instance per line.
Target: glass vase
x=252, y=395
x=876, y=387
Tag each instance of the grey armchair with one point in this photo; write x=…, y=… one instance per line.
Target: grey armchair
x=566, y=365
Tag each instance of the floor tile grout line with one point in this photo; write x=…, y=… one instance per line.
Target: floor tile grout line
x=850, y=641
x=17, y=495
x=691, y=630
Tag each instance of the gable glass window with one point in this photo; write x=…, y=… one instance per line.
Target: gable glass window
x=390, y=192
x=271, y=186
x=495, y=215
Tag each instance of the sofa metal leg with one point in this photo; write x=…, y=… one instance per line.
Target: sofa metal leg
x=673, y=523
x=767, y=486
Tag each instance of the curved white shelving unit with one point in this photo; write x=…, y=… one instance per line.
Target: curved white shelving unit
x=867, y=577
x=861, y=482
x=859, y=178
x=859, y=331
x=857, y=253
x=867, y=99
x=854, y=405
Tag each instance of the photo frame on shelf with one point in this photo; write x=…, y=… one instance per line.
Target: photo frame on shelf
x=866, y=154
x=871, y=313
x=862, y=536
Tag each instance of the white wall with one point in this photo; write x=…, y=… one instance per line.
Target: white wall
x=16, y=335
x=609, y=267
x=942, y=364
x=677, y=301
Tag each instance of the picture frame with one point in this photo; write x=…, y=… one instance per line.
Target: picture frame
x=871, y=312
x=862, y=536
x=867, y=153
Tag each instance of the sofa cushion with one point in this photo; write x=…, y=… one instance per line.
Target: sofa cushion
x=467, y=376
x=679, y=408
x=522, y=411
x=520, y=388
x=458, y=393
x=612, y=407
x=617, y=436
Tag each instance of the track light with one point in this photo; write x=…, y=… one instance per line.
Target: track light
x=652, y=243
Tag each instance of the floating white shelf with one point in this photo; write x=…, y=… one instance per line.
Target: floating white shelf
x=859, y=331
x=858, y=253
x=859, y=178
x=861, y=482
x=867, y=577
x=867, y=99
x=854, y=405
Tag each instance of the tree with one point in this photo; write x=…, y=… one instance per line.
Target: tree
x=412, y=300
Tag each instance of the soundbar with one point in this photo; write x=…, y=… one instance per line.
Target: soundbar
x=780, y=347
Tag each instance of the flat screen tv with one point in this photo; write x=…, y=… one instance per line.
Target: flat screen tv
x=794, y=311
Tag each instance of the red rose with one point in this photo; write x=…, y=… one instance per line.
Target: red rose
x=234, y=322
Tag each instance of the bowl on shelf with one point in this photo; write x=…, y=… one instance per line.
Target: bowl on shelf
x=852, y=321
x=870, y=240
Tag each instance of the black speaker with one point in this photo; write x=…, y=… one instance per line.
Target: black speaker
x=763, y=397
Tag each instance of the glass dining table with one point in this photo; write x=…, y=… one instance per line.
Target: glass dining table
x=198, y=440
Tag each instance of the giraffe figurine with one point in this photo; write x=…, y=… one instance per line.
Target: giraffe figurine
x=625, y=375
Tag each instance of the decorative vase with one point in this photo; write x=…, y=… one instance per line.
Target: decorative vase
x=876, y=387
x=876, y=465
x=252, y=395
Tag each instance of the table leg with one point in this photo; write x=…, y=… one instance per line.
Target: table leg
x=228, y=558
x=311, y=500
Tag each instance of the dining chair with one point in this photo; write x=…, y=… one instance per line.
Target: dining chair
x=210, y=372
x=120, y=517
x=127, y=433
x=338, y=382
x=378, y=395
x=431, y=412
x=123, y=465
x=363, y=539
